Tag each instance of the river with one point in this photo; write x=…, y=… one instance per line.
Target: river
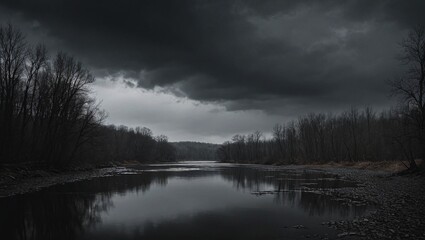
x=185, y=200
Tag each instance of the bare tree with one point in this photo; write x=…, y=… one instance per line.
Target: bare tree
x=279, y=139
x=46, y=113
x=354, y=135
x=410, y=87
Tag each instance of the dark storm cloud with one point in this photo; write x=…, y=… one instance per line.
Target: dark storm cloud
x=246, y=54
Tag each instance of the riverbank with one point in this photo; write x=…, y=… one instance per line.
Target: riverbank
x=23, y=179
x=399, y=202
x=387, y=166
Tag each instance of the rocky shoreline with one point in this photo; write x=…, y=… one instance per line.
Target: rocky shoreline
x=399, y=201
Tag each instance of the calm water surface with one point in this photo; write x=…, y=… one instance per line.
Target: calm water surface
x=187, y=200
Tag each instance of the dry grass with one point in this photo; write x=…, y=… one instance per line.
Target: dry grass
x=389, y=166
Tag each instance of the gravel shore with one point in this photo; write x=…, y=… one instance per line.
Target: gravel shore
x=399, y=201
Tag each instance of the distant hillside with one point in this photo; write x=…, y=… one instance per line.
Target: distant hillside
x=195, y=150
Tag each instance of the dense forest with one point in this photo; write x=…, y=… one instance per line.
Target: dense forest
x=195, y=151
x=47, y=116
x=354, y=135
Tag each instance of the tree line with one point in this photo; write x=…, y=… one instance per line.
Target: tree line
x=120, y=143
x=48, y=117
x=354, y=135
x=195, y=151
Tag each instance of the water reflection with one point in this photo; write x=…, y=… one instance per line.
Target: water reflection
x=203, y=201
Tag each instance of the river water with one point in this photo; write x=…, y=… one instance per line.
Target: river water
x=185, y=200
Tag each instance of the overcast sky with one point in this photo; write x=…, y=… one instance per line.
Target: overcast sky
x=206, y=70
